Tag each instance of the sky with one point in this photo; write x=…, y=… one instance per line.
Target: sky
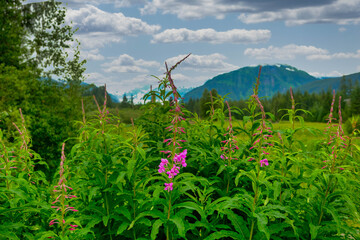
x=127, y=42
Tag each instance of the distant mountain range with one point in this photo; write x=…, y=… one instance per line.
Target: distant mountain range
x=239, y=84
x=274, y=78
x=138, y=93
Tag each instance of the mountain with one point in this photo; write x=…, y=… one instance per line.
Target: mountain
x=138, y=93
x=92, y=89
x=239, y=83
x=328, y=83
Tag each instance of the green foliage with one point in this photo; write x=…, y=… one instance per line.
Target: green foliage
x=241, y=181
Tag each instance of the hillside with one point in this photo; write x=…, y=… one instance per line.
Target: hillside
x=328, y=83
x=239, y=83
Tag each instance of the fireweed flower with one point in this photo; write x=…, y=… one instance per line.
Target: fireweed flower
x=229, y=146
x=264, y=161
x=336, y=141
x=172, y=168
x=59, y=204
x=263, y=134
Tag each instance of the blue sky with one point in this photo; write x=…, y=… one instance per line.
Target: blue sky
x=127, y=41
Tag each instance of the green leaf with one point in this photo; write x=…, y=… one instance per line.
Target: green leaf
x=122, y=228
x=92, y=192
x=105, y=220
x=223, y=234
x=239, y=224
x=261, y=223
x=141, y=151
x=179, y=224
x=313, y=231
x=221, y=168
x=277, y=187
x=125, y=212
x=155, y=228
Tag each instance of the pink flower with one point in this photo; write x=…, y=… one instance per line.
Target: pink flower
x=265, y=162
x=173, y=172
x=181, y=158
x=168, y=186
x=162, y=165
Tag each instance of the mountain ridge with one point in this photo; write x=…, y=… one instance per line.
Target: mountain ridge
x=274, y=78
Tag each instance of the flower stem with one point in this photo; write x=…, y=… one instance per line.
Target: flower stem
x=168, y=217
x=324, y=201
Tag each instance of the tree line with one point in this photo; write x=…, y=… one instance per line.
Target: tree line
x=318, y=103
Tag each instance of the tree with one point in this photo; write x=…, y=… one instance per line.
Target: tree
x=125, y=102
x=35, y=46
x=355, y=100
x=11, y=33
x=204, y=100
x=132, y=100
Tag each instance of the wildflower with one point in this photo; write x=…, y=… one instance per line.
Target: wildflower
x=62, y=189
x=264, y=161
x=263, y=134
x=230, y=143
x=176, y=114
x=168, y=186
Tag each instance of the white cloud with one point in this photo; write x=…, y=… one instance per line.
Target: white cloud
x=284, y=53
x=338, y=12
x=92, y=55
x=184, y=81
x=96, y=78
x=92, y=19
x=292, y=12
x=194, y=9
x=118, y=87
x=116, y=3
x=98, y=39
x=213, y=62
x=212, y=36
x=342, y=29
x=127, y=64
x=339, y=55
x=97, y=27
x=331, y=74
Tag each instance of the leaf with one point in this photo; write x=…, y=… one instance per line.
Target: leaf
x=105, y=220
x=313, y=231
x=238, y=223
x=130, y=167
x=221, y=168
x=192, y=206
x=277, y=187
x=122, y=228
x=125, y=212
x=141, y=151
x=223, y=234
x=92, y=192
x=261, y=223
x=179, y=224
x=155, y=228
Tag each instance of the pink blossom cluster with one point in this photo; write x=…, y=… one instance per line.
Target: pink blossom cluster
x=229, y=143
x=336, y=139
x=62, y=189
x=172, y=169
x=264, y=133
x=179, y=159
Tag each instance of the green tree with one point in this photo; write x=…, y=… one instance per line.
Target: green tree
x=11, y=33
x=35, y=46
x=204, y=100
x=355, y=100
